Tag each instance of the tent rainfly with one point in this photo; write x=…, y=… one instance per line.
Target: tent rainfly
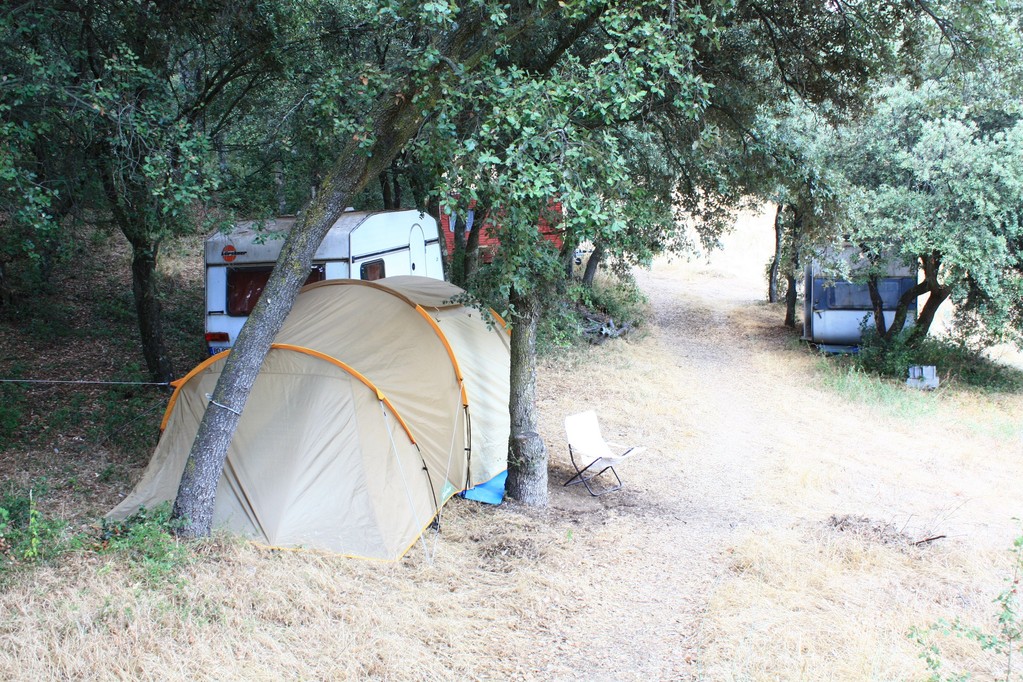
x=357, y=429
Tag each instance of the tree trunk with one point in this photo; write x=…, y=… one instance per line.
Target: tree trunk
x=792, y=270
x=877, y=305
x=6, y=293
x=772, y=277
x=567, y=257
x=457, y=273
x=397, y=117
x=145, y=289
x=471, y=254
x=790, y=300
x=279, y=188
x=937, y=293
x=144, y=281
x=591, y=265
x=527, y=460
x=395, y=124
x=396, y=187
x=926, y=316
x=385, y=191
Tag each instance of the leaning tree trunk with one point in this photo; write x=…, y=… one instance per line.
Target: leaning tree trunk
x=937, y=293
x=527, y=461
x=145, y=289
x=394, y=120
x=930, y=285
x=395, y=123
x=877, y=307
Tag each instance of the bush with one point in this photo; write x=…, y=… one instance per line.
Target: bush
x=26, y=535
x=563, y=324
x=559, y=328
x=147, y=539
x=954, y=360
x=891, y=359
x=618, y=297
x=1004, y=641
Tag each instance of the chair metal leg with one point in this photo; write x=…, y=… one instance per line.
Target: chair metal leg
x=581, y=477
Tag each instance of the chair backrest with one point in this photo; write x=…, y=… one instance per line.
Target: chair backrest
x=584, y=437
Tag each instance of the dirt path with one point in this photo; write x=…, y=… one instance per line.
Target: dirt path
x=699, y=397
x=724, y=536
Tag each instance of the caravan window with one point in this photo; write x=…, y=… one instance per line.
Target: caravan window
x=244, y=286
x=849, y=296
x=372, y=270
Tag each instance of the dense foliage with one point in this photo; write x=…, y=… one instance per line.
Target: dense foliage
x=894, y=125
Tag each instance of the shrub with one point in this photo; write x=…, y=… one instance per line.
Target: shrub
x=1005, y=641
x=26, y=535
x=954, y=360
x=618, y=297
x=147, y=540
x=614, y=296
x=892, y=358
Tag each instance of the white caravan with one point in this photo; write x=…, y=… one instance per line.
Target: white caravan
x=360, y=245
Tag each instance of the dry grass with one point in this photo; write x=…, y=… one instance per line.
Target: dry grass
x=765, y=535
x=806, y=603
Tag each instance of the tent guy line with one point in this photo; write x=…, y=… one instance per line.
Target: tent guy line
x=85, y=382
x=209, y=397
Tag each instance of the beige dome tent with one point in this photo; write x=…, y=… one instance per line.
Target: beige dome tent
x=377, y=402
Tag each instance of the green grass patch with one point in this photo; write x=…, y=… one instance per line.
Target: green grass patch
x=146, y=539
x=845, y=377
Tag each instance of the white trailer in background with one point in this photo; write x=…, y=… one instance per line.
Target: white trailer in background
x=835, y=311
x=364, y=245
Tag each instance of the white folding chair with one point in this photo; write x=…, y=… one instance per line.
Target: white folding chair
x=586, y=444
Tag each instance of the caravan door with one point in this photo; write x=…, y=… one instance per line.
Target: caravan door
x=417, y=251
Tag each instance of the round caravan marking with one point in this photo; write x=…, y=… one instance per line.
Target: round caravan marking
x=229, y=254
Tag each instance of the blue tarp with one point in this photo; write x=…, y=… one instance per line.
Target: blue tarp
x=491, y=492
